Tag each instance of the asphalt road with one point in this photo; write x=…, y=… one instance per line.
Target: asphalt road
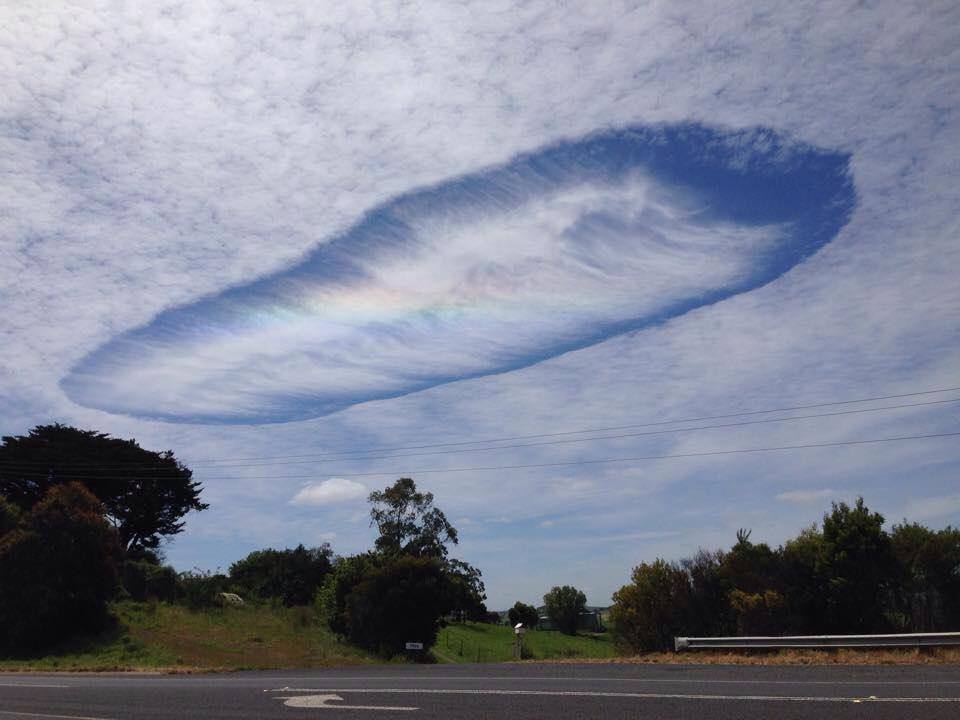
x=494, y=691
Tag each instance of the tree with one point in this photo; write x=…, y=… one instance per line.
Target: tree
x=145, y=494
x=523, y=613
x=750, y=573
x=380, y=603
x=652, y=608
x=466, y=591
x=292, y=576
x=346, y=575
x=564, y=605
x=805, y=582
x=58, y=569
x=858, y=563
x=709, y=610
x=927, y=577
x=408, y=522
x=750, y=567
x=403, y=589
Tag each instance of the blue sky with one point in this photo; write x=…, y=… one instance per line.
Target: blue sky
x=247, y=231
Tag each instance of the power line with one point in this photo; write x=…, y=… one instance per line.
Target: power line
x=64, y=469
x=568, y=441
x=600, y=437
x=707, y=453
x=366, y=454
x=592, y=430
x=618, y=460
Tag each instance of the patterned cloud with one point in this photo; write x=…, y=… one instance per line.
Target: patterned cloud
x=557, y=250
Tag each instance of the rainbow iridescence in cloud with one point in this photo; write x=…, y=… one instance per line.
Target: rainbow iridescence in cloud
x=557, y=250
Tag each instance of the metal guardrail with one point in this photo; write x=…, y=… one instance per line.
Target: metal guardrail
x=905, y=640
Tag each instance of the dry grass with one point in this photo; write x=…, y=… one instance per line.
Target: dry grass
x=934, y=656
x=171, y=638
x=243, y=638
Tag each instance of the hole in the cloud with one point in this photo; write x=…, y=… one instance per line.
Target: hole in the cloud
x=557, y=250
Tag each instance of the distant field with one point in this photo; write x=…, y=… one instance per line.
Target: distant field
x=153, y=636
x=478, y=642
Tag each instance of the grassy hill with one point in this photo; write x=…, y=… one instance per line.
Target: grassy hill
x=156, y=635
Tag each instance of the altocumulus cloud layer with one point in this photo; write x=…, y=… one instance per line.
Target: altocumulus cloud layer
x=557, y=250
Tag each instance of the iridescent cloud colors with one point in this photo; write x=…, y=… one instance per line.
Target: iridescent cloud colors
x=557, y=250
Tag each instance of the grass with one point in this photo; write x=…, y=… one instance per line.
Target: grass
x=474, y=642
x=157, y=636
x=161, y=637
x=478, y=642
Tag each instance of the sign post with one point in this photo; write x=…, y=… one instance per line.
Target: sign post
x=518, y=630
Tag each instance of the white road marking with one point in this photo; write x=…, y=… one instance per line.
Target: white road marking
x=682, y=681
x=638, y=696
x=43, y=715
x=39, y=685
x=323, y=701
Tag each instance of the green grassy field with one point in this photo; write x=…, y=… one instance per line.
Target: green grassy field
x=478, y=642
x=150, y=636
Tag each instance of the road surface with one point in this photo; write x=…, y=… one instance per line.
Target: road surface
x=652, y=692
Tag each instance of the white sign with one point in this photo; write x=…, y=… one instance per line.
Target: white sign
x=414, y=646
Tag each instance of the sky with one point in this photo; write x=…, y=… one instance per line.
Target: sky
x=562, y=263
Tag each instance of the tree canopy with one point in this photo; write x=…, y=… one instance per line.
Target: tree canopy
x=145, y=494
x=408, y=522
x=403, y=589
x=58, y=569
x=847, y=575
x=292, y=576
x=564, y=605
x=523, y=613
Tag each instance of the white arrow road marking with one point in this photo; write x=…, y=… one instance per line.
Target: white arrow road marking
x=639, y=696
x=323, y=701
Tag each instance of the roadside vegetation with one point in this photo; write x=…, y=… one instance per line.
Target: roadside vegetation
x=83, y=585
x=847, y=575
x=163, y=636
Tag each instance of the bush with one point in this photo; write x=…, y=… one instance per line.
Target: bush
x=199, y=589
x=465, y=591
x=859, y=564
x=9, y=516
x=564, y=605
x=291, y=576
x=404, y=600
x=758, y=613
x=382, y=603
x=143, y=580
x=331, y=599
x=57, y=570
x=647, y=613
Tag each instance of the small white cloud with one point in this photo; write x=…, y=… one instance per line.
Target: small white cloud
x=805, y=497
x=328, y=492
x=547, y=523
x=932, y=507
